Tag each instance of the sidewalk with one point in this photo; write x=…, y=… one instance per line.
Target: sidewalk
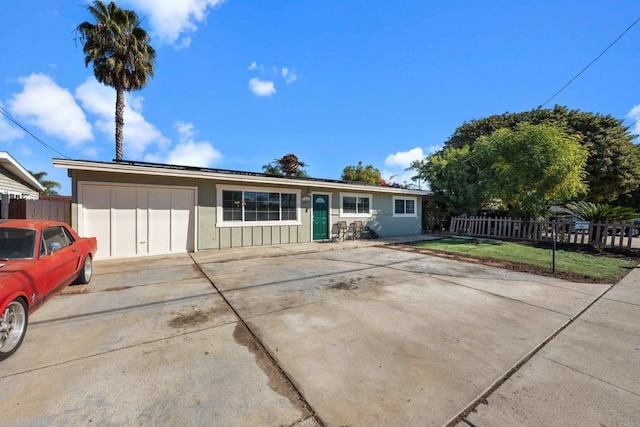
x=588, y=375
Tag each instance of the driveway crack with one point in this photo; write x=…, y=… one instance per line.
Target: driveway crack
x=245, y=329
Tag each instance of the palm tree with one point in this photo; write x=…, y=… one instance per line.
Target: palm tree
x=599, y=213
x=47, y=184
x=290, y=165
x=121, y=55
x=272, y=169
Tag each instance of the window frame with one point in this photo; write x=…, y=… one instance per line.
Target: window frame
x=221, y=223
x=356, y=214
x=405, y=199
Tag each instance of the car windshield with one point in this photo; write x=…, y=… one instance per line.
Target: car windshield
x=17, y=243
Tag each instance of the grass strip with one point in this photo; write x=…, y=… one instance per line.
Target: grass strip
x=592, y=265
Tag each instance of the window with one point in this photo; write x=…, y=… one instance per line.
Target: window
x=232, y=205
x=257, y=207
x=404, y=207
x=289, y=207
x=355, y=205
x=55, y=238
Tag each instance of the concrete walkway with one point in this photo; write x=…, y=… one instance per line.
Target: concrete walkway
x=587, y=375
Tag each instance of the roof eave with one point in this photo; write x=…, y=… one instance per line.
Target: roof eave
x=16, y=168
x=254, y=179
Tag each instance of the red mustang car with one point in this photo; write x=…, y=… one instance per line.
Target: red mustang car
x=37, y=260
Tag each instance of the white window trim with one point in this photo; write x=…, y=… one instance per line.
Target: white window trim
x=415, y=204
x=356, y=215
x=223, y=224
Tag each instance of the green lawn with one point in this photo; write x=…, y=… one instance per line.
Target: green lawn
x=596, y=266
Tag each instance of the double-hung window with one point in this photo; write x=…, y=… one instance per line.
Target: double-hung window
x=237, y=207
x=404, y=206
x=358, y=205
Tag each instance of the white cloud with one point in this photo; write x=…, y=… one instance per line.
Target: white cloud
x=262, y=87
x=289, y=76
x=8, y=131
x=189, y=152
x=172, y=20
x=398, y=163
x=634, y=115
x=256, y=67
x=138, y=133
x=90, y=152
x=403, y=159
x=44, y=104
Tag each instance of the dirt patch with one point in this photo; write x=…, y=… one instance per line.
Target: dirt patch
x=514, y=266
x=192, y=316
x=343, y=286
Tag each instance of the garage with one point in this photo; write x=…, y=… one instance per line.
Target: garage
x=137, y=220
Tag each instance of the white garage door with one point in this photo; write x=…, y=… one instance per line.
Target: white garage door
x=137, y=220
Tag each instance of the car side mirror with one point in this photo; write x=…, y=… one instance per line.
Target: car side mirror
x=54, y=246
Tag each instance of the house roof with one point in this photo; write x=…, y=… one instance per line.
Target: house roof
x=159, y=169
x=10, y=164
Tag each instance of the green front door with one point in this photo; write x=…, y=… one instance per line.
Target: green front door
x=320, y=216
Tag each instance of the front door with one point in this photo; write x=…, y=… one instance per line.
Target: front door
x=320, y=216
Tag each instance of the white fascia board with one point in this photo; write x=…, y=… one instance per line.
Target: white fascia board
x=10, y=164
x=225, y=177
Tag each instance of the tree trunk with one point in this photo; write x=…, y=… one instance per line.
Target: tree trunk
x=119, y=122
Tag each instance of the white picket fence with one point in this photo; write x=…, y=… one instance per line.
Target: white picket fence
x=615, y=234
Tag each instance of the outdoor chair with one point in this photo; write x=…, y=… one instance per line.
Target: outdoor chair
x=338, y=230
x=357, y=230
x=335, y=232
x=351, y=232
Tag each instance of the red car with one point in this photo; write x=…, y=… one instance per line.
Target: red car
x=37, y=260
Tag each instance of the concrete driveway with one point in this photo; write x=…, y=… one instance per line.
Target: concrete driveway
x=288, y=335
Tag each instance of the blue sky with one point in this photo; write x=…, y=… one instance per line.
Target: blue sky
x=240, y=83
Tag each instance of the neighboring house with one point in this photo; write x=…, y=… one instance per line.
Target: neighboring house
x=137, y=208
x=15, y=181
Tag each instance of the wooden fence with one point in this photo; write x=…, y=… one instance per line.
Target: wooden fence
x=615, y=234
x=55, y=208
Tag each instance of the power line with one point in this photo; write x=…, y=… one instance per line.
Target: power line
x=15, y=122
x=590, y=63
x=574, y=78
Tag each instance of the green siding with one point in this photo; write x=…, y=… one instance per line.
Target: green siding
x=212, y=237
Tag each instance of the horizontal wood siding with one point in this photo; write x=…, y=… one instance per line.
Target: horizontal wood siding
x=9, y=185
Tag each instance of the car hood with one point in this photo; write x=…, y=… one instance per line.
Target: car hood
x=14, y=271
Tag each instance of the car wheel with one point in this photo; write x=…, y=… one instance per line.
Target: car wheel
x=86, y=272
x=13, y=327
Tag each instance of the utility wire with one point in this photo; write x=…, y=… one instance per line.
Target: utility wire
x=590, y=63
x=575, y=77
x=15, y=122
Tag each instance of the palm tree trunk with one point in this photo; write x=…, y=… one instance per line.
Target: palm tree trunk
x=119, y=122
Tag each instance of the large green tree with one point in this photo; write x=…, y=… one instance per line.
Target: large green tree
x=531, y=167
x=453, y=177
x=613, y=163
x=120, y=52
x=361, y=173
